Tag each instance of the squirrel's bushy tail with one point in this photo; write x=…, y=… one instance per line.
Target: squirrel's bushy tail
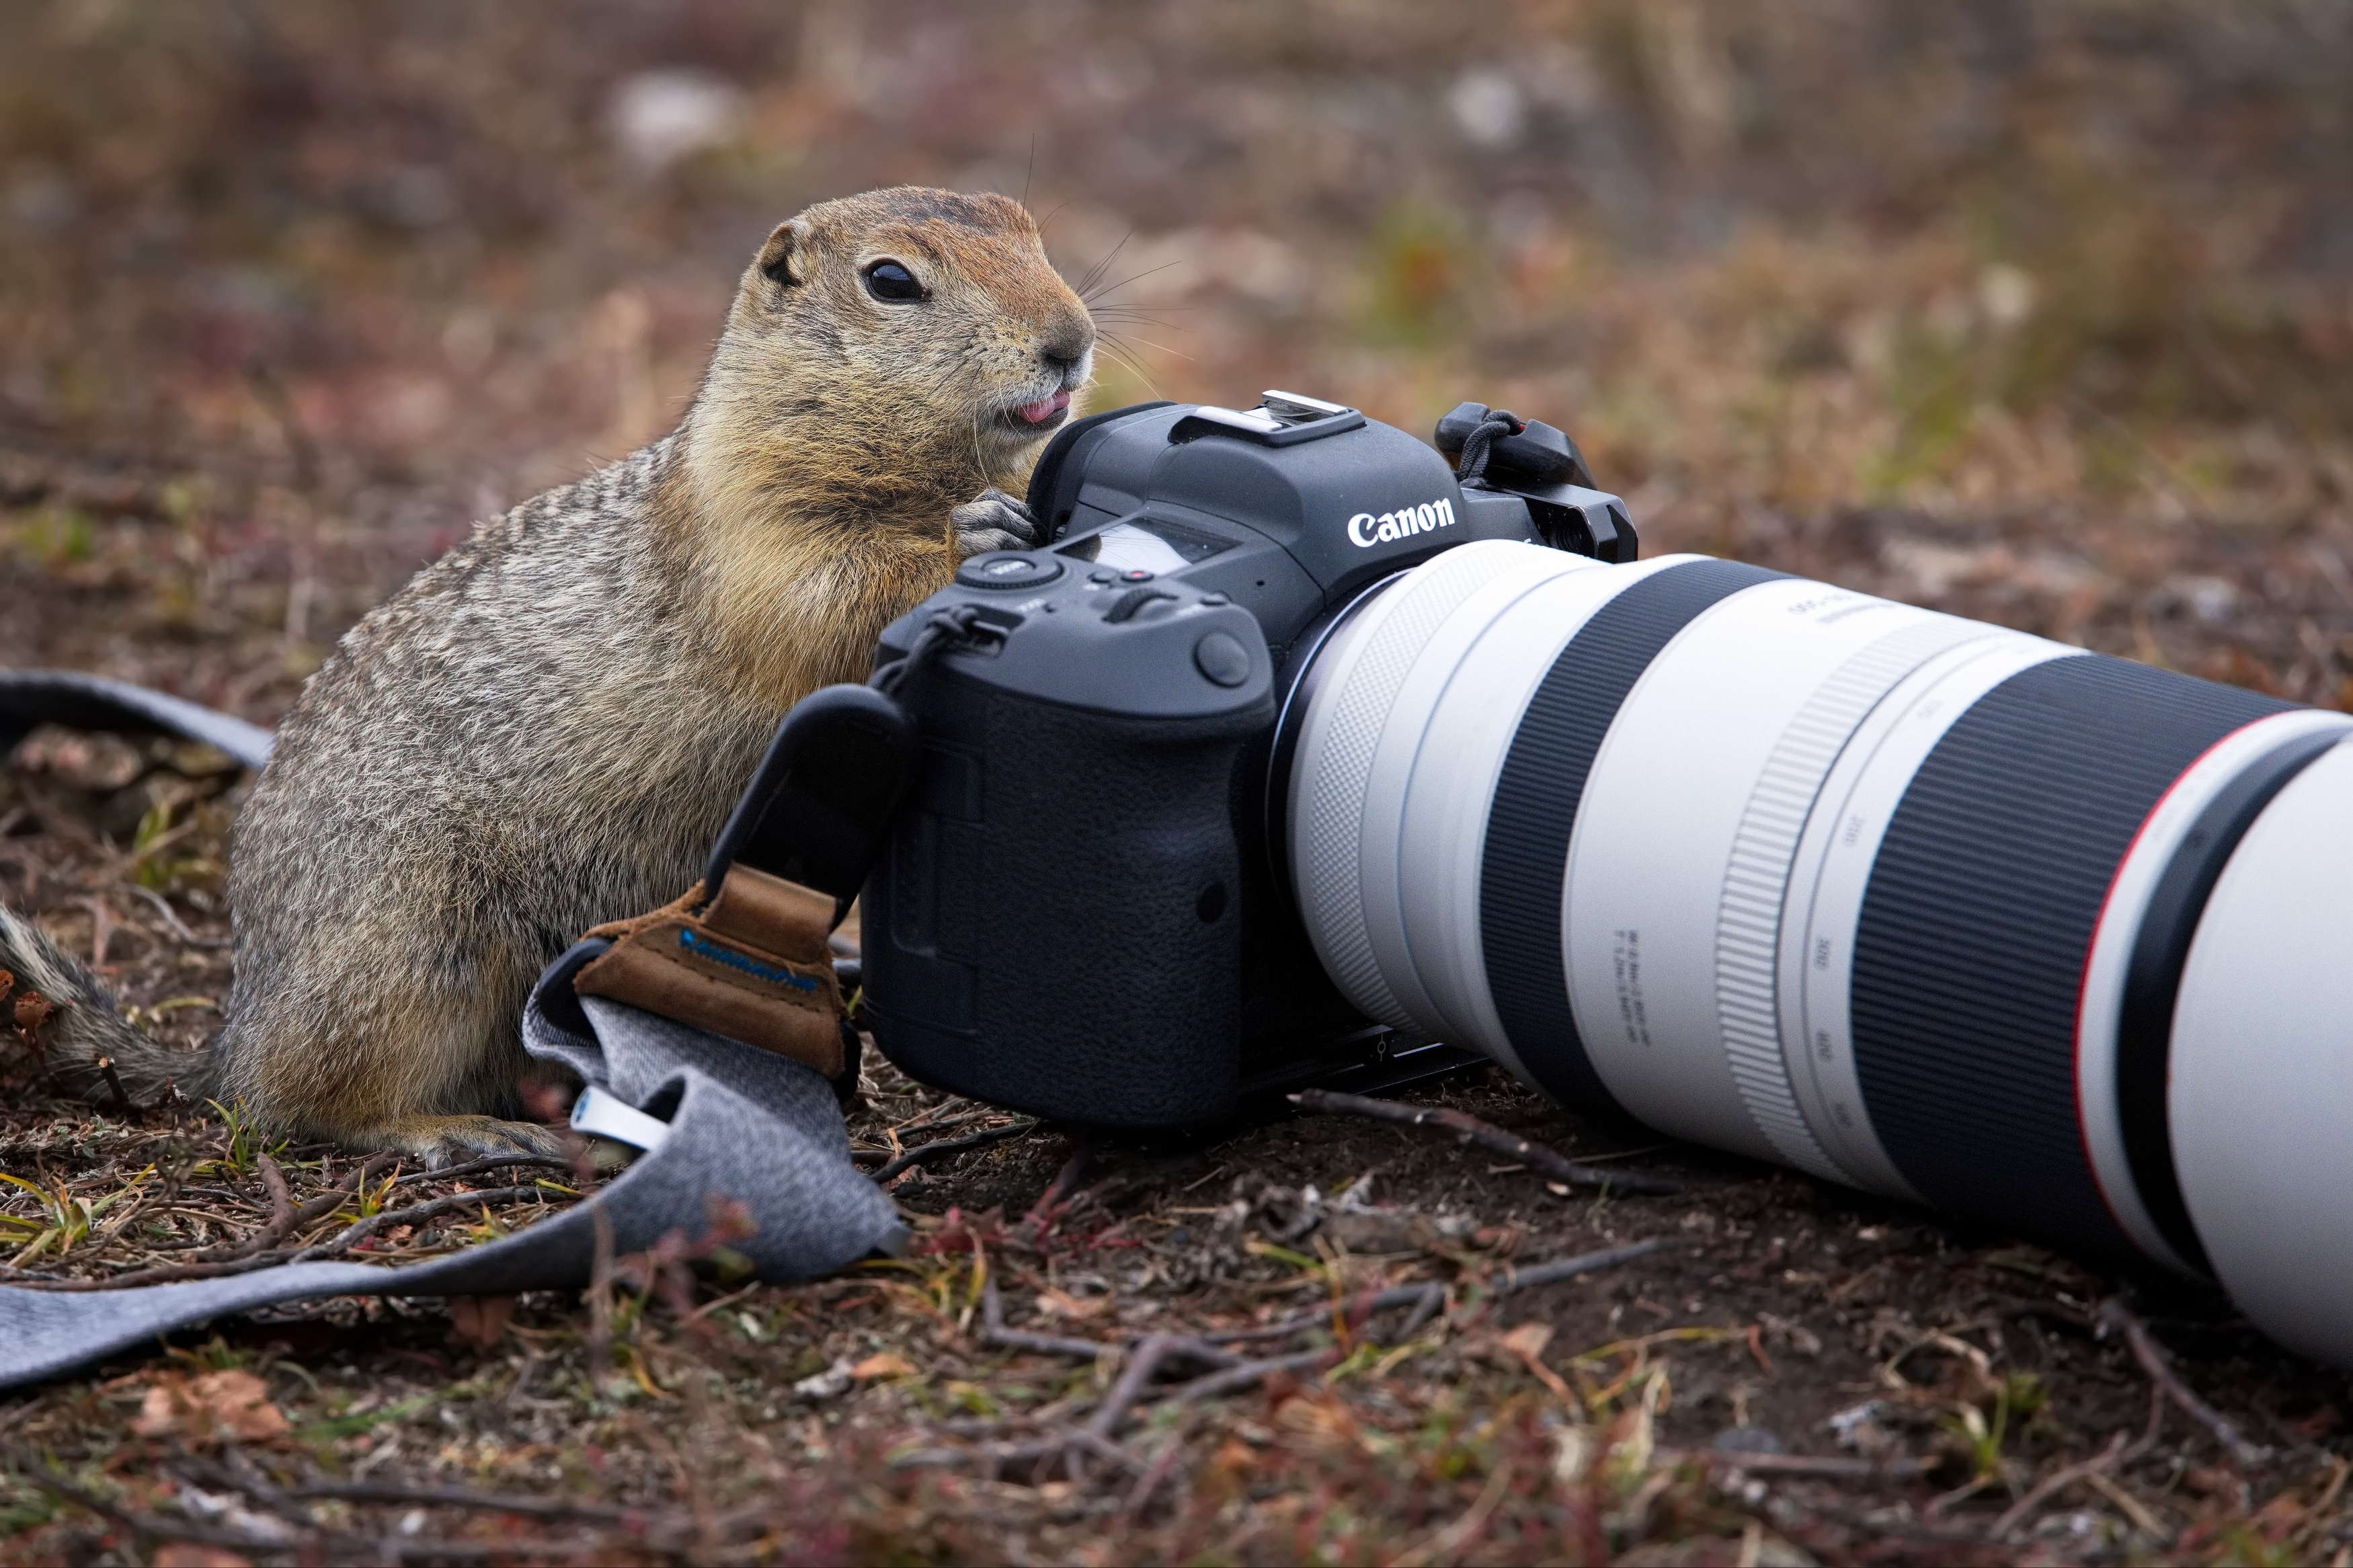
x=73, y=1026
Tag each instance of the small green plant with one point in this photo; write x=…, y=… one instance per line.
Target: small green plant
x=65, y=1221
x=23, y=1508
x=372, y=1198
x=152, y=827
x=246, y=1139
x=62, y=536
x=2018, y=1397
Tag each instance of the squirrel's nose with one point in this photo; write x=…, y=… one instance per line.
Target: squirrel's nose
x=1065, y=350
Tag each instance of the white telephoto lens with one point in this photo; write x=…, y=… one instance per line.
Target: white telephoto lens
x=2261, y=1111
x=1924, y=906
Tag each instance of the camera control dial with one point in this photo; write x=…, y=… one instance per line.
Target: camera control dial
x=1004, y=569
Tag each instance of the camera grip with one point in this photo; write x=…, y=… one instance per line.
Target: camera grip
x=1055, y=925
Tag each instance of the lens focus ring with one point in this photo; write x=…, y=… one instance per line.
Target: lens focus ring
x=1748, y=918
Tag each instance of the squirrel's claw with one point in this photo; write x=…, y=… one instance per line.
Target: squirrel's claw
x=994, y=521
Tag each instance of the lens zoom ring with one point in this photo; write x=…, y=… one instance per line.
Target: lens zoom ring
x=1980, y=914
x=1524, y=863
x=1756, y=878
x=1334, y=882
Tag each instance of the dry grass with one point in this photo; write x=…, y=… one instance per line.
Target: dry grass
x=2033, y=314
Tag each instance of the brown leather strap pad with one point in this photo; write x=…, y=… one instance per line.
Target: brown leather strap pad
x=753, y=966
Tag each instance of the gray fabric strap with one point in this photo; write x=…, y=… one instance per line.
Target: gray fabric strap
x=30, y=696
x=745, y=1126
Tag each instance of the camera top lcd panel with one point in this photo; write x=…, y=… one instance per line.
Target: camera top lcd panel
x=1287, y=508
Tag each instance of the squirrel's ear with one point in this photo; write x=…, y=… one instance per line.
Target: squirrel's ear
x=786, y=256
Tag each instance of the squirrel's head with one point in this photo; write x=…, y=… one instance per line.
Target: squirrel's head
x=909, y=329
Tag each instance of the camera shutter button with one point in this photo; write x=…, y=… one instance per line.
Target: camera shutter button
x=1221, y=656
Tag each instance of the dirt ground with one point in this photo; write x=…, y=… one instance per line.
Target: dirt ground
x=2033, y=314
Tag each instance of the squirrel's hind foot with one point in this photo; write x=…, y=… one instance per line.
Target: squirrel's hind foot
x=444, y=1140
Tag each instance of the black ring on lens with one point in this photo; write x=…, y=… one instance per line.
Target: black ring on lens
x=2153, y=979
x=1978, y=920
x=1525, y=859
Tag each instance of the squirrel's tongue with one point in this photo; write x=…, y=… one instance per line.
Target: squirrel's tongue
x=1044, y=408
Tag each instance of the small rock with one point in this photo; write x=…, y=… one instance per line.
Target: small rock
x=1748, y=1440
x=831, y=1383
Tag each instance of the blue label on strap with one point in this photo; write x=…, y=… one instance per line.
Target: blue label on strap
x=703, y=947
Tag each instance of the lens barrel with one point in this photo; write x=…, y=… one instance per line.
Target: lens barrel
x=2053, y=941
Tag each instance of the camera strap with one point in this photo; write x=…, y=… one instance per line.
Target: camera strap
x=706, y=1032
x=750, y=964
x=751, y=1148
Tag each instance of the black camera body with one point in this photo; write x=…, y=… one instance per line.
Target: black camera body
x=1082, y=910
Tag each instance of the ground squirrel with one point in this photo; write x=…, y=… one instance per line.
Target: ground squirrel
x=545, y=729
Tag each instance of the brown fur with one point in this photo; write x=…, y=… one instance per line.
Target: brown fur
x=545, y=729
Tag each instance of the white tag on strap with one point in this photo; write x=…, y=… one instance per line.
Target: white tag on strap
x=602, y=1115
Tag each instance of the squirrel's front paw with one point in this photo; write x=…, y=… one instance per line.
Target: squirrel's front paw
x=994, y=521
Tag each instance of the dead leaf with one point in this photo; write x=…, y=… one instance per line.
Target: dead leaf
x=882, y=1364
x=97, y=763
x=1325, y=1423
x=1529, y=1339
x=481, y=1320
x=217, y=1404
x=196, y=1554
x=33, y=1010
x=1526, y=1343
x=1063, y=1304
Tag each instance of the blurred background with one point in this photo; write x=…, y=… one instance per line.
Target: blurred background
x=2040, y=312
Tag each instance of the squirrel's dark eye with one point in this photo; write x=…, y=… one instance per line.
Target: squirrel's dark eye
x=890, y=281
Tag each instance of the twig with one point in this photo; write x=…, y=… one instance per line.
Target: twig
x=117, y=869
x=1058, y=1445
x=495, y=1162
x=437, y=1497
x=281, y=1214
x=1162, y=1463
x=994, y=1331
x=1360, y=1308
x=2114, y=1314
x=1817, y=1467
x=1433, y=1299
x=360, y=1230
x=115, y=1085
x=172, y=918
x=1470, y=1129
x=1427, y=1297
x=1447, y=1541
x=1142, y=1364
x=1235, y=1378
x=2132, y=1506
x=923, y=1154
x=1046, y=1209
x=1561, y=1268
x=425, y=1549
x=331, y=1200
x=2055, y=1482
x=41, y=1475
